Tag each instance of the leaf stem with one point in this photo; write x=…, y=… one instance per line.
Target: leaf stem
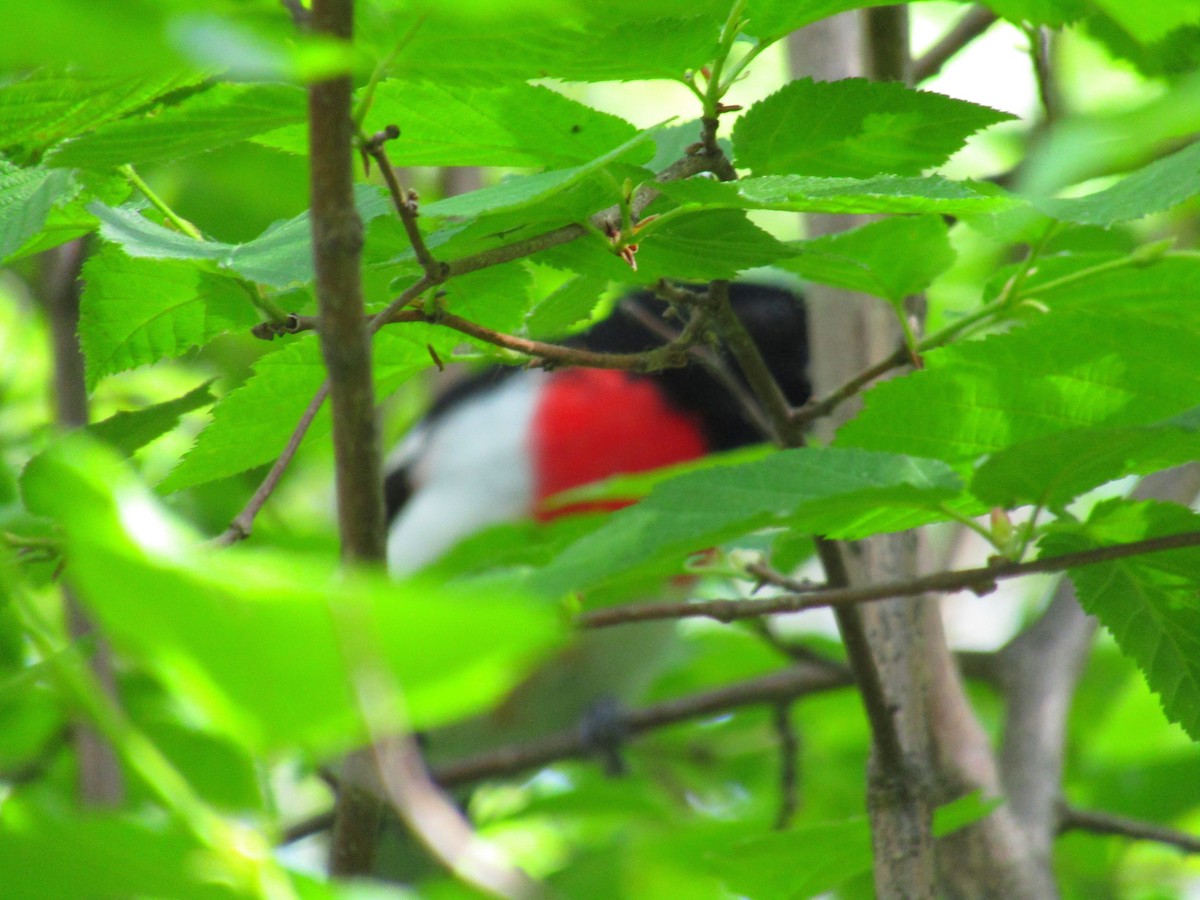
x=158, y=203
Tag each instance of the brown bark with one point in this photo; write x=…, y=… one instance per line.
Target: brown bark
x=101, y=782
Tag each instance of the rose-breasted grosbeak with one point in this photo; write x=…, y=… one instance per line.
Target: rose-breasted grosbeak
x=495, y=447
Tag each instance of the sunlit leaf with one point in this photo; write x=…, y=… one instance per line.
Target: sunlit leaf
x=822, y=491
x=26, y=198
x=800, y=193
x=138, y=311
x=224, y=114
x=1116, y=349
x=891, y=259
x=1055, y=469
x=1147, y=602
x=239, y=632
x=854, y=128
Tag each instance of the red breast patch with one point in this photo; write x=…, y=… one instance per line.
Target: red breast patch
x=594, y=423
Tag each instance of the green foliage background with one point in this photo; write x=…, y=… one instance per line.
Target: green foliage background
x=1061, y=358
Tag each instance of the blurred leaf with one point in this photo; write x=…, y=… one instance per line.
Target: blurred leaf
x=854, y=128
x=109, y=855
x=891, y=259
x=799, y=193
x=131, y=430
x=1147, y=602
x=244, y=631
x=1151, y=21
x=1175, y=54
x=26, y=198
x=570, y=303
x=1055, y=13
x=1055, y=469
x=252, y=424
x=1162, y=184
x=138, y=311
x=803, y=861
x=842, y=494
x=281, y=256
x=774, y=19
x=1117, y=348
x=966, y=810
x=1083, y=147
x=223, y=114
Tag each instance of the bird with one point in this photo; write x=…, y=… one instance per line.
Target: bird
x=500, y=445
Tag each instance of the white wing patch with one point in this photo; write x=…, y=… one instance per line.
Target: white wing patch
x=473, y=469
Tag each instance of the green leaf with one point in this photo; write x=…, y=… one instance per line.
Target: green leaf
x=842, y=494
x=236, y=630
x=135, y=311
x=1147, y=602
x=570, y=303
x=854, y=128
x=51, y=104
x=966, y=810
x=1150, y=22
x=281, y=256
x=70, y=219
x=129, y=431
x=1158, y=186
x=1055, y=469
x=223, y=114
x=1117, y=348
x=804, y=861
x=799, y=193
x=524, y=191
x=892, y=259
x=251, y=424
x=774, y=19
x=113, y=856
x=1093, y=146
x=567, y=39
x=27, y=197
x=718, y=243
x=497, y=297
x=1055, y=13
x=513, y=125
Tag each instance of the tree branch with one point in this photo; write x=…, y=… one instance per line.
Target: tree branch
x=101, y=782
x=1074, y=819
x=973, y=23
x=981, y=580
x=784, y=686
x=671, y=355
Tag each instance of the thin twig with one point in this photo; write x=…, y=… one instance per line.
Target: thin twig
x=981, y=580
x=817, y=409
x=786, y=685
x=669, y=356
x=239, y=529
x=405, y=203
x=789, y=764
x=1074, y=819
x=974, y=22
